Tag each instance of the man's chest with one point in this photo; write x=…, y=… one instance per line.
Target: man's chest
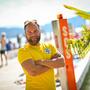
x=41, y=53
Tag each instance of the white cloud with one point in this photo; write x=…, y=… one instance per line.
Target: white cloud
x=15, y=12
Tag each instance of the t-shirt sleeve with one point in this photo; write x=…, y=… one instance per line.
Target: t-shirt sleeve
x=53, y=50
x=23, y=55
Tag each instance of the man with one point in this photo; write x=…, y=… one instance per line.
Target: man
x=19, y=40
x=38, y=60
x=3, y=49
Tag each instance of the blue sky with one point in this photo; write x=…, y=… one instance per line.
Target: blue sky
x=15, y=12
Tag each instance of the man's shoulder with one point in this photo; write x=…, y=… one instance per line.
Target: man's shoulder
x=22, y=49
x=48, y=44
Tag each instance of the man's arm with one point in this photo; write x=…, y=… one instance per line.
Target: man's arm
x=56, y=61
x=34, y=69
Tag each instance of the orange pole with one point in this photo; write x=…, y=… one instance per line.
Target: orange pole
x=64, y=30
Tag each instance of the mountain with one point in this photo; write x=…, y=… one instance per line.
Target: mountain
x=76, y=21
x=14, y=31
x=11, y=32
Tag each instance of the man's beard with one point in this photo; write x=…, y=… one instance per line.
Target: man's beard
x=32, y=42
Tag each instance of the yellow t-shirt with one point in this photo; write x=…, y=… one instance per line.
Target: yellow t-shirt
x=46, y=80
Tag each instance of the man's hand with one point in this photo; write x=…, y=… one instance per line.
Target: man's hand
x=56, y=61
x=56, y=56
x=52, y=63
x=38, y=62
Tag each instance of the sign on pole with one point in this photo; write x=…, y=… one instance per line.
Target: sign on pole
x=61, y=35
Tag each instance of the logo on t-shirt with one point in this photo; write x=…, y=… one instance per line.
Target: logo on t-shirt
x=48, y=51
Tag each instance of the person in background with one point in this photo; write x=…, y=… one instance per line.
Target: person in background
x=3, y=49
x=38, y=60
x=19, y=40
x=9, y=46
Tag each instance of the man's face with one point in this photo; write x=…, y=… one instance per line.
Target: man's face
x=32, y=34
